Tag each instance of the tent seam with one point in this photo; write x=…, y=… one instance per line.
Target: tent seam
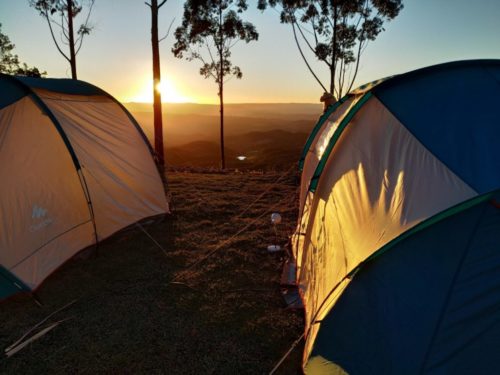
x=335, y=137
x=47, y=243
x=453, y=210
x=44, y=108
x=11, y=278
x=424, y=146
x=417, y=228
x=434, y=68
x=323, y=118
x=450, y=291
x=60, y=130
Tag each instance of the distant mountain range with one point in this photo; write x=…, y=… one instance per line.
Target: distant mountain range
x=270, y=136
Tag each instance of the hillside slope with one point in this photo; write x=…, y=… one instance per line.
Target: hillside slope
x=269, y=135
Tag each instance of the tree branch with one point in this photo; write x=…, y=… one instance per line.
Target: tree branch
x=54, y=39
x=357, y=66
x=168, y=31
x=232, y=45
x=305, y=39
x=333, y=68
x=200, y=57
x=80, y=39
x=314, y=30
x=64, y=30
x=210, y=53
x=304, y=58
x=360, y=50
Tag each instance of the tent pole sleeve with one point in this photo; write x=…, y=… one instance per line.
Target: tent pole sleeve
x=46, y=110
x=316, y=129
x=333, y=141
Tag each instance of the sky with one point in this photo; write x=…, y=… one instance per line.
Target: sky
x=116, y=56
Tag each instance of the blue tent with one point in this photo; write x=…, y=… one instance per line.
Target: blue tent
x=398, y=242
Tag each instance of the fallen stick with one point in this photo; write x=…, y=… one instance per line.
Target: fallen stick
x=39, y=324
x=13, y=350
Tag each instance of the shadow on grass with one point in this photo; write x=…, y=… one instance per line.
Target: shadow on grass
x=225, y=315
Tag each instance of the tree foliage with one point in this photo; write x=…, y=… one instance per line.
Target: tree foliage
x=336, y=32
x=9, y=62
x=209, y=30
x=60, y=15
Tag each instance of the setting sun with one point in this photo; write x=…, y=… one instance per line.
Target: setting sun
x=169, y=93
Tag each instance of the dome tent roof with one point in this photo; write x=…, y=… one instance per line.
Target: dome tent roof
x=388, y=164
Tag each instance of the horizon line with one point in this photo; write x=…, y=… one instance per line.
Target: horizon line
x=216, y=104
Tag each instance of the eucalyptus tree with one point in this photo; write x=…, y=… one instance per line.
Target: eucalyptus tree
x=157, y=110
x=60, y=15
x=336, y=32
x=9, y=61
x=209, y=30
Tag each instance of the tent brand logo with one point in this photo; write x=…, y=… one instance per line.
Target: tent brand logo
x=38, y=212
x=40, y=215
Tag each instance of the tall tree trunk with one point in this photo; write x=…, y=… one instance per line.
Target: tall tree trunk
x=221, y=92
x=72, y=54
x=221, y=103
x=158, y=123
x=333, y=67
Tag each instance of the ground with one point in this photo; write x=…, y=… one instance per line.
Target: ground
x=222, y=314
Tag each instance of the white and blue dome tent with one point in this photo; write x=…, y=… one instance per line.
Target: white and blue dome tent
x=397, y=247
x=75, y=167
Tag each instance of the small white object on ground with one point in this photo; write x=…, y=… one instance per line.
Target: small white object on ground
x=274, y=248
x=275, y=218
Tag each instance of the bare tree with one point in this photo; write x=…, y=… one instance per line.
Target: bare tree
x=336, y=33
x=60, y=14
x=210, y=29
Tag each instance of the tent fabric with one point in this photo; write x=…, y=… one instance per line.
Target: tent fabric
x=318, y=143
x=41, y=195
x=427, y=306
x=471, y=92
x=321, y=121
x=398, y=159
x=62, y=85
x=381, y=181
x=119, y=171
x=74, y=170
x=11, y=92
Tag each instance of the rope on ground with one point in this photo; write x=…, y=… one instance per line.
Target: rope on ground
x=280, y=362
x=227, y=241
x=151, y=238
x=283, y=175
x=269, y=188
x=197, y=192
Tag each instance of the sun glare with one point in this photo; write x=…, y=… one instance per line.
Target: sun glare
x=169, y=93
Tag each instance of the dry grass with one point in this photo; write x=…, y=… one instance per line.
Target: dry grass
x=225, y=315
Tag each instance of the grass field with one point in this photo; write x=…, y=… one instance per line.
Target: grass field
x=224, y=315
